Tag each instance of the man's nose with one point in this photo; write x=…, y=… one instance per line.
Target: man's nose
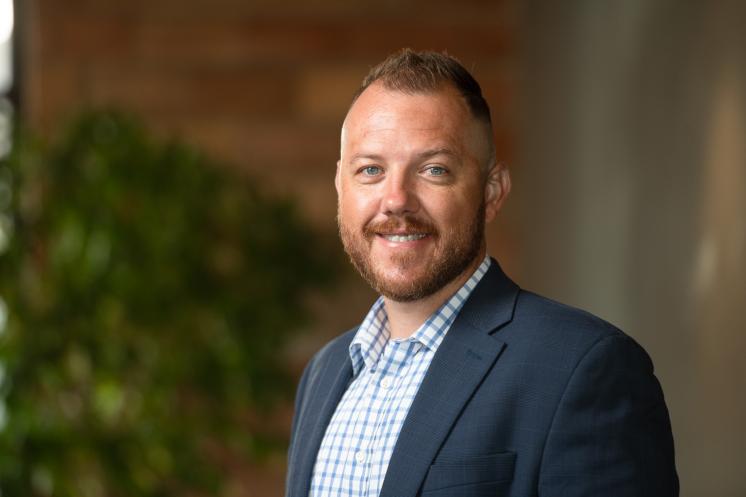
x=399, y=196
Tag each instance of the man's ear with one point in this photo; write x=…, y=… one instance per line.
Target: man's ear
x=336, y=178
x=496, y=190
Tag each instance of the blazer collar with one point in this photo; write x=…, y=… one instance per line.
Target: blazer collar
x=492, y=302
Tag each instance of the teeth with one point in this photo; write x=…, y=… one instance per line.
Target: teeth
x=404, y=238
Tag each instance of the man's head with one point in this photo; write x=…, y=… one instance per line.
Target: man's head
x=417, y=177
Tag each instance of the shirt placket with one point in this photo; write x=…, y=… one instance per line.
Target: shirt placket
x=387, y=382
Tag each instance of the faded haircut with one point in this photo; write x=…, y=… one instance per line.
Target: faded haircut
x=413, y=72
x=408, y=71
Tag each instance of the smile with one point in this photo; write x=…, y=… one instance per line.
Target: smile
x=404, y=238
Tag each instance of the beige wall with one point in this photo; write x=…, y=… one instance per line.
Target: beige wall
x=631, y=195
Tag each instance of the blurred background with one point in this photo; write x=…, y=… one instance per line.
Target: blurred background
x=168, y=260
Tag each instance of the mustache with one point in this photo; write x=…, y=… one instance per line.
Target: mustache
x=409, y=224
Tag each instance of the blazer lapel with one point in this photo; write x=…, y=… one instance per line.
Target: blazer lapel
x=324, y=392
x=466, y=354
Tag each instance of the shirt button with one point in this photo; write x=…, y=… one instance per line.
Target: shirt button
x=360, y=456
x=386, y=382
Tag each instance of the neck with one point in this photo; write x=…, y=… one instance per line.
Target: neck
x=406, y=317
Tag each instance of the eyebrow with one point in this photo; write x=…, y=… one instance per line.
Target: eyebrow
x=436, y=151
x=426, y=154
x=374, y=157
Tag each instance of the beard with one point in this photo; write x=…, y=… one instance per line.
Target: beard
x=408, y=278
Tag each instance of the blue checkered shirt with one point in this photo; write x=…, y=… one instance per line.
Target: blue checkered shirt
x=360, y=438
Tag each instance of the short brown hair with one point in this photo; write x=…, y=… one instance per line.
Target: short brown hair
x=420, y=72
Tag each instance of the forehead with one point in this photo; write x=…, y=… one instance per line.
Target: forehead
x=380, y=114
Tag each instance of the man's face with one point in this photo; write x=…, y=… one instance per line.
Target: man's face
x=413, y=196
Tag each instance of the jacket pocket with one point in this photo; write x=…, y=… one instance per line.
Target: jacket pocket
x=470, y=473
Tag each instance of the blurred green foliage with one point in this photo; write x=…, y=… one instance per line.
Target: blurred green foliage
x=146, y=297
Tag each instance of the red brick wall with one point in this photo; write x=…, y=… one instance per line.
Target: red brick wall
x=262, y=85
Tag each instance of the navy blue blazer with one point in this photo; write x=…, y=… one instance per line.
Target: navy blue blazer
x=524, y=397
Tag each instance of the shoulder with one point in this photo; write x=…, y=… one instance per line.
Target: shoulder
x=529, y=322
x=533, y=309
x=336, y=346
x=608, y=409
x=549, y=316
x=561, y=334
x=334, y=351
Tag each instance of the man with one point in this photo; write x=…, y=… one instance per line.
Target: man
x=457, y=382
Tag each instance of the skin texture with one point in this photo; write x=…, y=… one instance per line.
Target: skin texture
x=415, y=164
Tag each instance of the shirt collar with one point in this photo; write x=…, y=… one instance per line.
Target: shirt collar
x=374, y=332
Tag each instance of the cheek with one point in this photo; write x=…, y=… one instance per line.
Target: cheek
x=451, y=211
x=355, y=207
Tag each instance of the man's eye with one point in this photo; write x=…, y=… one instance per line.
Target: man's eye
x=437, y=171
x=371, y=170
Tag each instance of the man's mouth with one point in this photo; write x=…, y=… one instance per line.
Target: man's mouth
x=400, y=230
x=404, y=238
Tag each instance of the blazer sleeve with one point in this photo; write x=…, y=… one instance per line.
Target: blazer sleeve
x=611, y=434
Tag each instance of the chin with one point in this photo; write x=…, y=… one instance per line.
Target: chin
x=406, y=286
